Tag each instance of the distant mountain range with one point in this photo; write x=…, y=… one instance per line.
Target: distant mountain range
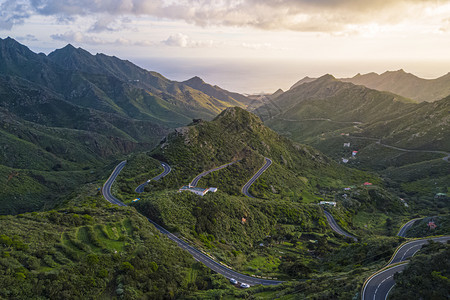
x=399, y=82
x=405, y=84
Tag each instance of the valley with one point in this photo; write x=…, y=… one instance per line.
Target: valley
x=306, y=193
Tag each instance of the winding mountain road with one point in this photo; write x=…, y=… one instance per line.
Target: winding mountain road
x=256, y=176
x=106, y=189
x=167, y=169
x=195, y=181
x=404, y=229
x=335, y=226
x=446, y=158
x=378, y=286
x=198, y=255
x=378, y=141
x=320, y=119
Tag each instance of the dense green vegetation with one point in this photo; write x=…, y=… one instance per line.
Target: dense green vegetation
x=232, y=228
x=338, y=276
x=427, y=276
x=91, y=249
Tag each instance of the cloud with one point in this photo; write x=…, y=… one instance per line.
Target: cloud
x=103, y=24
x=28, y=38
x=295, y=15
x=264, y=46
x=445, y=25
x=79, y=37
x=13, y=12
x=184, y=41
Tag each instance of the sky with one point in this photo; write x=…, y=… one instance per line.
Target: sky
x=248, y=46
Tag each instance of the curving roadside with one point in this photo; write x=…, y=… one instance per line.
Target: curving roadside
x=378, y=286
x=256, y=176
x=321, y=119
x=446, y=158
x=106, y=189
x=335, y=226
x=406, y=227
x=378, y=141
x=167, y=169
x=195, y=181
x=198, y=255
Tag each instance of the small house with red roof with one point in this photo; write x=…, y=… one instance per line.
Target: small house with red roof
x=431, y=225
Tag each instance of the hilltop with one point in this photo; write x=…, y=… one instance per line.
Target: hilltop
x=237, y=135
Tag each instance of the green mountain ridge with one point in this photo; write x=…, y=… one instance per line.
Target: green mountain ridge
x=109, y=84
x=184, y=99
x=217, y=92
x=334, y=106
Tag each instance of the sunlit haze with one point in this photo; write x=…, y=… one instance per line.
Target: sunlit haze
x=247, y=46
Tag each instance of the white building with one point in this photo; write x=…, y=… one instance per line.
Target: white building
x=332, y=203
x=196, y=190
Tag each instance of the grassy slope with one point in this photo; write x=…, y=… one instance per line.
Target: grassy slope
x=90, y=249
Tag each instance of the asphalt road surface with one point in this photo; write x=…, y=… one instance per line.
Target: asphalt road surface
x=405, y=227
x=379, y=286
x=195, y=181
x=446, y=158
x=335, y=226
x=198, y=255
x=106, y=189
x=167, y=169
x=409, y=249
x=253, y=179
